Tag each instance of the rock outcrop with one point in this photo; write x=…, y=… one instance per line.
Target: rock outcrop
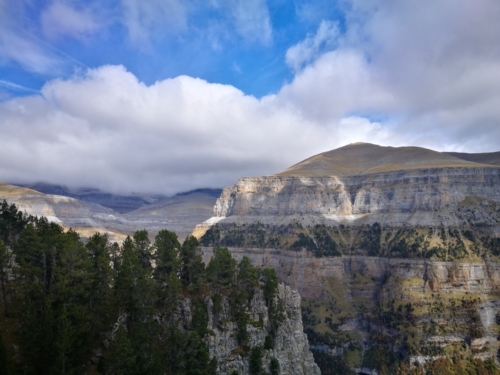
x=290, y=345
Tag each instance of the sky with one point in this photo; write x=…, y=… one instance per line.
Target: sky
x=165, y=96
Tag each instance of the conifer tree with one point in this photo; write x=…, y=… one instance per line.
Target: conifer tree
x=221, y=270
x=193, y=268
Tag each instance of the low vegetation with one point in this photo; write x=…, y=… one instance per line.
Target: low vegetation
x=437, y=243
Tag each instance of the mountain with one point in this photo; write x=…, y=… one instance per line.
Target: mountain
x=365, y=158
x=362, y=184
x=119, y=203
x=8, y=190
x=179, y=213
x=484, y=158
x=396, y=252
x=86, y=218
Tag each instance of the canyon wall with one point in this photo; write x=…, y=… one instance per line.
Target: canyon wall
x=396, y=197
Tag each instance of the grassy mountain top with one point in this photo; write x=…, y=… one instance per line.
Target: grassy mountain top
x=484, y=157
x=367, y=158
x=7, y=190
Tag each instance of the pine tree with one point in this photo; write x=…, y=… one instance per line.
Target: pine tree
x=193, y=268
x=221, y=270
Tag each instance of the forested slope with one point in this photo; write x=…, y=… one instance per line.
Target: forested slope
x=70, y=307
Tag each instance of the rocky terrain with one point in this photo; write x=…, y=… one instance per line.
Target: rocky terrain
x=395, y=250
x=291, y=348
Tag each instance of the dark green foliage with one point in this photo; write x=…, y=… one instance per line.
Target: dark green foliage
x=65, y=296
x=380, y=358
x=255, y=365
x=331, y=365
x=5, y=364
x=211, y=236
x=304, y=242
x=167, y=254
x=122, y=358
x=326, y=246
x=492, y=245
x=4, y=261
x=192, y=268
x=143, y=246
x=371, y=236
x=248, y=277
x=274, y=366
x=200, y=319
x=12, y=223
x=269, y=342
x=270, y=284
x=469, y=235
x=221, y=270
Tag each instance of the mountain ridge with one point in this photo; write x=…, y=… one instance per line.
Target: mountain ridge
x=367, y=158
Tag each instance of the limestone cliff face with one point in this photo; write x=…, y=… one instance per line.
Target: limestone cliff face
x=401, y=194
x=362, y=183
x=291, y=348
x=455, y=306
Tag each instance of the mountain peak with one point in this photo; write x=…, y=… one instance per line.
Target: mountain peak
x=367, y=158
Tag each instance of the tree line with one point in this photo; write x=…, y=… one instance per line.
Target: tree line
x=66, y=301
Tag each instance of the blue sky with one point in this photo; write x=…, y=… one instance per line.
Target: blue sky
x=163, y=96
x=205, y=39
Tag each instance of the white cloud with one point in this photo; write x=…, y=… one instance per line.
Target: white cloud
x=418, y=73
x=306, y=51
x=62, y=19
x=432, y=70
x=107, y=129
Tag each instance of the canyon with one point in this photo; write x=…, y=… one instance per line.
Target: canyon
x=394, y=250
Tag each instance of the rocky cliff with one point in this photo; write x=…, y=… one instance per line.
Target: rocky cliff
x=423, y=309
x=360, y=184
x=395, y=250
x=291, y=349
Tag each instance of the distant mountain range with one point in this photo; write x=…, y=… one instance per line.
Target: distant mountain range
x=119, y=203
x=89, y=210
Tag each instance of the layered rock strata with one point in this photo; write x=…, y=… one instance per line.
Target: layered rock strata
x=360, y=184
x=447, y=308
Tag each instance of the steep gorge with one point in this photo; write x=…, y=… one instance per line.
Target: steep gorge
x=394, y=250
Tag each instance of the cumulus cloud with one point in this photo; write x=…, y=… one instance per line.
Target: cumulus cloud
x=107, y=129
x=62, y=19
x=431, y=70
